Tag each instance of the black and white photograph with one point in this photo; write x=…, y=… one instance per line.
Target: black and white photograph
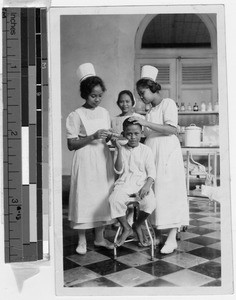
x=133, y=80
x=120, y=116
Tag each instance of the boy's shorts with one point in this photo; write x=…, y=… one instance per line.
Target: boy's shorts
x=119, y=199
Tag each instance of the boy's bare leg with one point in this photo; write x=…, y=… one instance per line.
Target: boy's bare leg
x=159, y=239
x=142, y=216
x=127, y=230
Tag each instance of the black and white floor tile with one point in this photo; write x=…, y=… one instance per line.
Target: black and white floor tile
x=195, y=263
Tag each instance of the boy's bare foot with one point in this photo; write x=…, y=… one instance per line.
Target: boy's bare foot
x=104, y=243
x=139, y=232
x=126, y=232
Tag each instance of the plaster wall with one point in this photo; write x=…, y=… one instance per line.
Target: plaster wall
x=106, y=41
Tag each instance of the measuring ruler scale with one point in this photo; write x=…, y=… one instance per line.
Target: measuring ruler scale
x=25, y=132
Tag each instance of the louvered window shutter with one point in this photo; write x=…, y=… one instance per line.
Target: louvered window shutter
x=201, y=74
x=164, y=74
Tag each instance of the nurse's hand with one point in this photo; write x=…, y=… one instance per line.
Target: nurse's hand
x=138, y=120
x=101, y=134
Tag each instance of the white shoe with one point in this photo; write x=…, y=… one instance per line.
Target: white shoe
x=81, y=248
x=169, y=248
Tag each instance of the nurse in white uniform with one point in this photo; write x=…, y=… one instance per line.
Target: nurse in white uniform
x=92, y=174
x=126, y=103
x=160, y=125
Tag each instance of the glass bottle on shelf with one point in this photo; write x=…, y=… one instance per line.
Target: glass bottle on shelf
x=203, y=106
x=195, y=107
x=182, y=106
x=189, y=107
x=209, y=107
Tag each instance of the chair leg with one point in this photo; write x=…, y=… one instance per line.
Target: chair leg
x=151, y=239
x=115, y=240
x=154, y=238
x=178, y=237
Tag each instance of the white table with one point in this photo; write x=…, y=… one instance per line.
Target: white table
x=202, y=151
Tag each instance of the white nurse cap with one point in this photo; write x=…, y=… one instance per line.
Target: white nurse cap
x=149, y=72
x=85, y=70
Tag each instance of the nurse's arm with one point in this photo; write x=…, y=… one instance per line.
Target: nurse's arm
x=164, y=129
x=78, y=143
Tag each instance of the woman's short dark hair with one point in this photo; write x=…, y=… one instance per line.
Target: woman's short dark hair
x=87, y=85
x=126, y=92
x=146, y=83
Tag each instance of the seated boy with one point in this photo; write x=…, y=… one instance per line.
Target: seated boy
x=134, y=163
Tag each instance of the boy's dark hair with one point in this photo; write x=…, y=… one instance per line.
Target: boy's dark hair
x=146, y=83
x=127, y=123
x=126, y=92
x=87, y=85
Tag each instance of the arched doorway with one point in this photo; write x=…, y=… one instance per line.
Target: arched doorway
x=184, y=49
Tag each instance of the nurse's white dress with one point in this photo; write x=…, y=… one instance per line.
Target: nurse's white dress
x=92, y=175
x=170, y=187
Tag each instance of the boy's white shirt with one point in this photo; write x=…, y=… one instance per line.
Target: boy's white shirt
x=137, y=165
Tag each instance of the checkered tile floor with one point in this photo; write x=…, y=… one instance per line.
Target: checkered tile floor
x=196, y=262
